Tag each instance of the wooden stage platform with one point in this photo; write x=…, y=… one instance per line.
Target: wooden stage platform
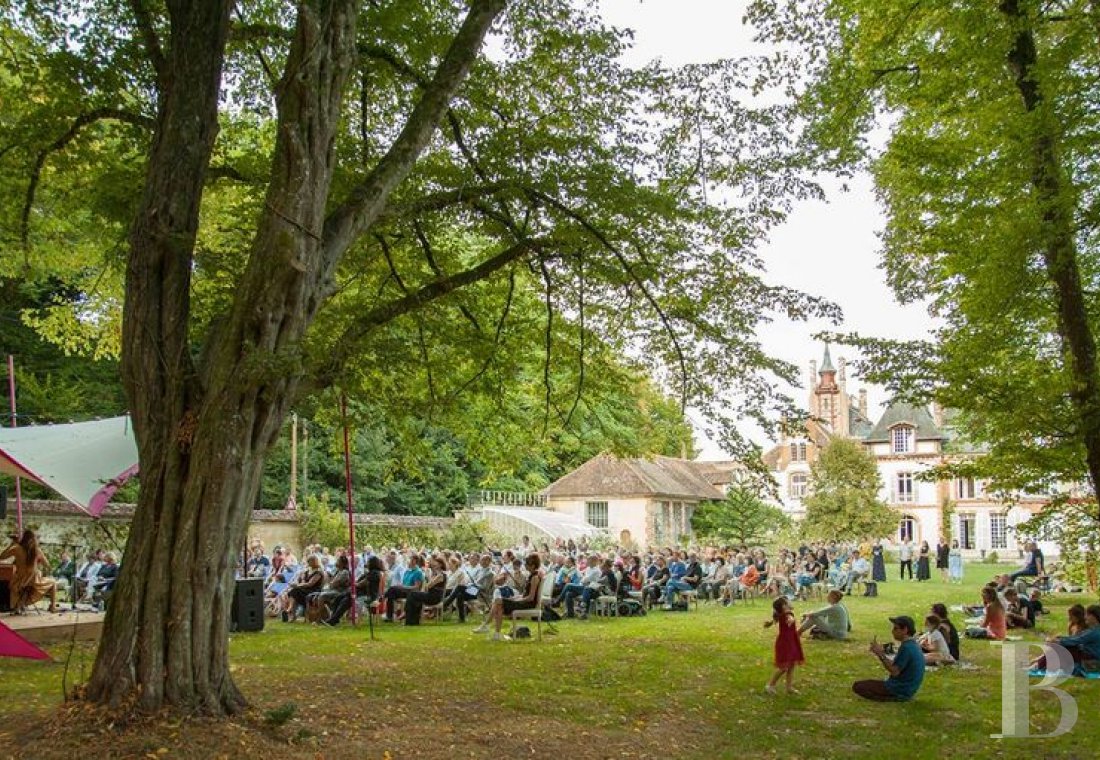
x=44, y=628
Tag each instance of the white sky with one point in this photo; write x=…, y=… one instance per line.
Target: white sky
x=824, y=248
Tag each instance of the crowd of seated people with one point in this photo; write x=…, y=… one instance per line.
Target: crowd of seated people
x=404, y=582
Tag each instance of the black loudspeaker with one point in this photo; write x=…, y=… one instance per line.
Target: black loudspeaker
x=5, y=596
x=3, y=502
x=247, y=611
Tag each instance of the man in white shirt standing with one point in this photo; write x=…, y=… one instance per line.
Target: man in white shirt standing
x=905, y=558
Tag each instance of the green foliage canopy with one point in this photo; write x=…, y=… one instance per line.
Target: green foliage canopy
x=843, y=503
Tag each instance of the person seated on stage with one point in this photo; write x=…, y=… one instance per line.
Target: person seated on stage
x=105, y=578
x=933, y=642
x=368, y=588
x=28, y=584
x=310, y=580
x=65, y=572
x=432, y=593
x=830, y=622
x=86, y=574
x=529, y=600
x=411, y=580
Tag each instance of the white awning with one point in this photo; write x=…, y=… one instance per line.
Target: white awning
x=85, y=462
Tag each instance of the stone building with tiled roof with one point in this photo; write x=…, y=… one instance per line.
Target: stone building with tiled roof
x=639, y=501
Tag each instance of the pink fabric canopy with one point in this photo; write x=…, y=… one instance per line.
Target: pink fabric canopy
x=14, y=645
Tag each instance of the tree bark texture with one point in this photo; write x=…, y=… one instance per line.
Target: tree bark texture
x=1055, y=196
x=205, y=425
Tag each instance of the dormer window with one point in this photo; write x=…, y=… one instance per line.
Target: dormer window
x=798, y=452
x=903, y=439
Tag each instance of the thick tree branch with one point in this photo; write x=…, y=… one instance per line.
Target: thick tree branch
x=83, y=120
x=352, y=337
x=366, y=202
x=429, y=255
x=149, y=38
x=548, y=344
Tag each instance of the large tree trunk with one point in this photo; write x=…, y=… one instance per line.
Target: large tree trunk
x=1056, y=199
x=203, y=431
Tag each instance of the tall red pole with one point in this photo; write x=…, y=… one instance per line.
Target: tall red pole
x=351, y=519
x=15, y=423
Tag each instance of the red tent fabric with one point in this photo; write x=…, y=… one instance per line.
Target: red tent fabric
x=14, y=645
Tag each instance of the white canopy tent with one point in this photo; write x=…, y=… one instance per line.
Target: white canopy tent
x=85, y=462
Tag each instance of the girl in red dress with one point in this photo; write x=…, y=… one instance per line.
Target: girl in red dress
x=788, y=646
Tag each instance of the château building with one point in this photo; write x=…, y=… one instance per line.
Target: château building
x=905, y=441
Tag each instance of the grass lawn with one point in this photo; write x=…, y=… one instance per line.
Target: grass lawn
x=676, y=685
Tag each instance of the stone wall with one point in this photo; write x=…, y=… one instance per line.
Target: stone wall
x=60, y=524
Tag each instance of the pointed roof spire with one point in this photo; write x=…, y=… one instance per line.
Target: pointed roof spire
x=827, y=362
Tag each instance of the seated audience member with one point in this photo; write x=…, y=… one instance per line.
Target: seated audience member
x=933, y=642
x=338, y=584
x=712, y=585
x=1033, y=563
x=104, y=582
x=85, y=575
x=807, y=575
x=566, y=575
x=687, y=581
x=411, y=580
x=831, y=622
x=1018, y=612
x=591, y=583
x=369, y=587
x=1035, y=599
x=527, y=601
x=655, y=586
x=973, y=610
x=1083, y=646
x=480, y=588
x=859, y=569
x=906, y=669
x=65, y=571
x=950, y=632
x=307, y=582
x=992, y=624
x=432, y=593
x=1077, y=622
x=259, y=566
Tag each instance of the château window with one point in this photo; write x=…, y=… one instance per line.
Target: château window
x=800, y=482
x=905, y=490
x=965, y=488
x=903, y=439
x=798, y=452
x=998, y=532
